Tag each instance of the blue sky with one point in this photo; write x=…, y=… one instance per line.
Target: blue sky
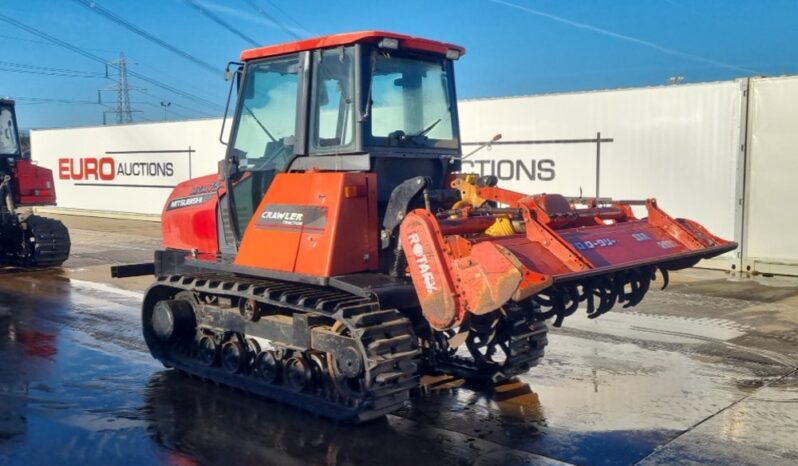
x=514, y=46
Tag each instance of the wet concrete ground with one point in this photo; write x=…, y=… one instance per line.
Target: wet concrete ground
x=704, y=373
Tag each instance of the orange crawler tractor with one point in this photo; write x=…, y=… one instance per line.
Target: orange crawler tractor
x=339, y=253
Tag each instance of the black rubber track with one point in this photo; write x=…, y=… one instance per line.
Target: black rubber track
x=386, y=339
x=48, y=242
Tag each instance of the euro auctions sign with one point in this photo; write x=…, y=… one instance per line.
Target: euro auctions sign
x=108, y=169
x=121, y=181
x=146, y=169
x=126, y=168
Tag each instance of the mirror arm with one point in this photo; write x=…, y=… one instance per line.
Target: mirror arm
x=228, y=76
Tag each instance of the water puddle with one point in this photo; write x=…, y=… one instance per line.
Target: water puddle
x=77, y=387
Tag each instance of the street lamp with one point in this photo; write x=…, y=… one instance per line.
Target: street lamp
x=165, y=105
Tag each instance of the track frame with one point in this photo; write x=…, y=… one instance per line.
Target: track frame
x=303, y=321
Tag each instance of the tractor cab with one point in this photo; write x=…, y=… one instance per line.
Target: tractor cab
x=9, y=137
x=368, y=101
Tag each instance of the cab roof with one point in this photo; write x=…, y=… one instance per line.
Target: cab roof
x=349, y=38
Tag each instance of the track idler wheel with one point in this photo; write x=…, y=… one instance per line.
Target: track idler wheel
x=173, y=319
x=349, y=363
x=346, y=368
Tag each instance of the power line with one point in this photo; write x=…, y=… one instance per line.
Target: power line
x=41, y=42
x=170, y=110
x=266, y=15
x=62, y=72
x=213, y=17
x=193, y=110
x=48, y=71
x=159, y=99
x=276, y=7
x=42, y=100
x=92, y=5
x=49, y=100
x=98, y=59
x=190, y=86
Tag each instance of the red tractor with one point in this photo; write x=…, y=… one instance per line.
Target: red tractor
x=339, y=253
x=26, y=240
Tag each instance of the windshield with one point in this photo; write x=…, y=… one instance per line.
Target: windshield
x=264, y=139
x=411, y=102
x=8, y=132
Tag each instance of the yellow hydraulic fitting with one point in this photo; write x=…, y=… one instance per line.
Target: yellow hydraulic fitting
x=469, y=195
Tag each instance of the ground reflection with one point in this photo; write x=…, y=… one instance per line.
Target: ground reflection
x=199, y=423
x=20, y=347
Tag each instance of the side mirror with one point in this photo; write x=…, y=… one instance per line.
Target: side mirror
x=26, y=155
x=230, y=73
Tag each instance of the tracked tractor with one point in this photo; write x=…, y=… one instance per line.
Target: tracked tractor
x=26, y=240
x=340, y=253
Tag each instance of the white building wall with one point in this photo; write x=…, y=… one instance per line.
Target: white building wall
x=126, y=169
x=685, y=145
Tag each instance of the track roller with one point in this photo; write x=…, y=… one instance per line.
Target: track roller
x=268, y=366
x=234, y=357
x=297, y=373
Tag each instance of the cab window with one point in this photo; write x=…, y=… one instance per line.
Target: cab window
x=265, y=134
x=332, y=113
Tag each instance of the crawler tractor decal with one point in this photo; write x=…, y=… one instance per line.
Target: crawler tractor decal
x=287, y=216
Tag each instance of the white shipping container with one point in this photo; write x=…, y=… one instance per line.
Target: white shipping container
x=770, y=224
